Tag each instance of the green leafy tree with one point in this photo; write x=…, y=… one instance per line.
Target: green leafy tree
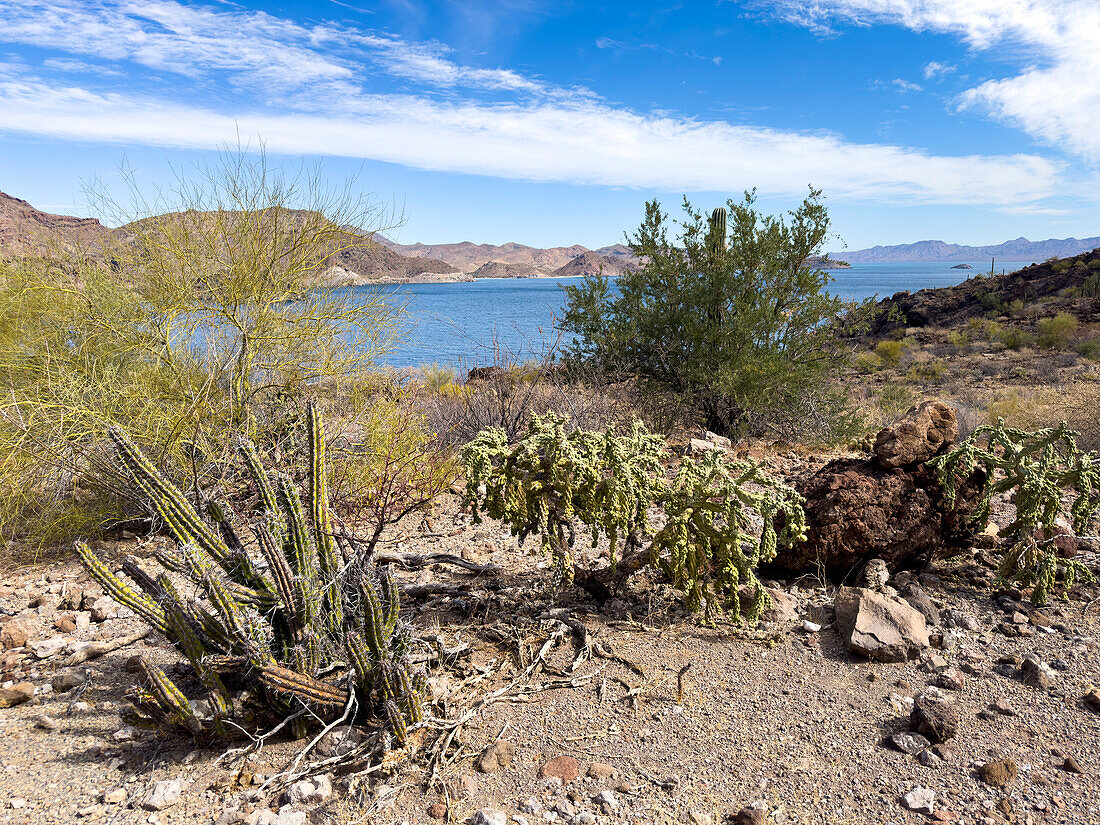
x=729, y=313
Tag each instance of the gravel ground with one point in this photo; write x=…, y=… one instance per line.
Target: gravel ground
x=777, y=715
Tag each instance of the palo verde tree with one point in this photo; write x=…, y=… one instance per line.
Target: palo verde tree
x=204, y=302
x=730, y=312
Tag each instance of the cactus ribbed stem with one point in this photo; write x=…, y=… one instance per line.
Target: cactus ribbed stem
x=118, y=591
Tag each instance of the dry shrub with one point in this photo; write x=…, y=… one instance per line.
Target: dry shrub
x=1075, y=403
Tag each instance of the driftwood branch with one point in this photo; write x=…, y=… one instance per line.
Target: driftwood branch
x=416, y=561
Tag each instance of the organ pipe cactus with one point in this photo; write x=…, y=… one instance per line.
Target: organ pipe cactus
x=1042, y=469
x=283, y=622
x=716, y=234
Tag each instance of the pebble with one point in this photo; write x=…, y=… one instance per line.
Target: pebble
x=45, y=722
x=998, y=773
x=488, y=817
x=1071, y=765
x=496, y=757
x=811, y=627
x=115, y=796
x=563, y=768
x=910, y=743
x=584, y=818
x=601, y=770
x=607, y=800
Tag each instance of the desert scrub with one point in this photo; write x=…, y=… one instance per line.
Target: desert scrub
x=1056, y=332
x=286, y=624
x=1040, y=468
x=719, y=514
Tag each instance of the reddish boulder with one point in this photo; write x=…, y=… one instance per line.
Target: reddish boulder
x=923, y=432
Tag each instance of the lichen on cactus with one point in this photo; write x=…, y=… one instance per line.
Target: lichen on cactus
x=720, y=514
x=282, y=623
x=1042, y=469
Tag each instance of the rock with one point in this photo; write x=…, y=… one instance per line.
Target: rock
x=1071, y=765
x=929, y=759
x=531, y=805
x=1037, y=673
x=784, y=606
x=463, y=787
x=719, y=440
x=45, y=722
x=17, y=694
x=601, y=770
x=879, y=626
x=1092, y=698
x=921, y=800
x=934, y=717
x=65, y=623
x=951, y=679
x=496, y=757
x=45, y=648
x=607, y=801
x=875, y=575
x=811, y=627
x=923, y=432
x=700, y=818
x=309, y=791
x=699, y=446
x=66, y=680
x=564, y=808
x=115, y=796
x=104, y=608
x=16, y=633
x=857, y=509
x=438, y=810
x=339, y=741
x=564, y=768
x=911, y=743
x=999, y=773
x=584, y=818
x=17, y=802
x=165, y=794
x=919, y=599
x=751, y=815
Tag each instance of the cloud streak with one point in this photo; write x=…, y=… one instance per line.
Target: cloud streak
x=1055, y=96
x=308, y=90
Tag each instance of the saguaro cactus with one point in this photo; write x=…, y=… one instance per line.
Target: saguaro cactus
x=275, y=618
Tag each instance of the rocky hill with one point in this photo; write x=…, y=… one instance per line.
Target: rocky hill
x=590, y=263
x=1020, y=249
x=1067, y=285
x=29, y=232
x=468, y=256
x=496, y=269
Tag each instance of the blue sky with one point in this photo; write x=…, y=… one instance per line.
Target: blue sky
x=971, y=121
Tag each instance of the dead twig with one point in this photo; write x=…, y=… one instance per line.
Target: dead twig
x=96, y=649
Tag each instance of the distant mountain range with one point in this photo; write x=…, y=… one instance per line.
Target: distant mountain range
x=26, y=231
x=1020, y=249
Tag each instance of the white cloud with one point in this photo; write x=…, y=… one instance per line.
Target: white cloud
x=935, y=69
x=305, y=90
x=580, y=142
x=906, y=85
x=1056, y=44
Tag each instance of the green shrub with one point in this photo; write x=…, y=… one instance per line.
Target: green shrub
x=890, y=352
x=1039, y=468
x=1090, y=349
x=296, y=626
x=1055, y=332
x=868, y=362
x=1015, y=338
x=719, y=514
x=1091, y=286
x=733, y=320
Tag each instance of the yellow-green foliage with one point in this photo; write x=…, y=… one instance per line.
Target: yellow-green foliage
x=708, y=546
x=1039, y=468
x=208, y=309
x=552, y=479
x=1055, y=332
x=868, y=362
x=890, y=352
x=274, y=616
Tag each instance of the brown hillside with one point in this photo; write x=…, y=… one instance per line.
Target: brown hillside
x=29, y=232
x=590, y=263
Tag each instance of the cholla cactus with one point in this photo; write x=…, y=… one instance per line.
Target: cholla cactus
x=720, y=514
x=708, y=546
x=551, y=478
x=277, y=619
x=1041, y=467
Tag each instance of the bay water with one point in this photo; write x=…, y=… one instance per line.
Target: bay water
x=461, y=325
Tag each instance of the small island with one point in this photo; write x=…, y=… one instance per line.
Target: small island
x=962, y=266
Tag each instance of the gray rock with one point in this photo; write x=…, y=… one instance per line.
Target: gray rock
x=918, y=598
x=921, y=800
x=879, y=626
x=165, y=794
x=584, y=818
x=607, y=801
x=339, y=741
x=496, y=757
x=921, y=433
x=488, y=817
x=66, y=680
x=1037, y=673
x=910, y=743
x=309, y=791
x=564, y=808
x=104, y=608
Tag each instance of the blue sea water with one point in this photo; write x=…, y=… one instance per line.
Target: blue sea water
x=459, y=324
